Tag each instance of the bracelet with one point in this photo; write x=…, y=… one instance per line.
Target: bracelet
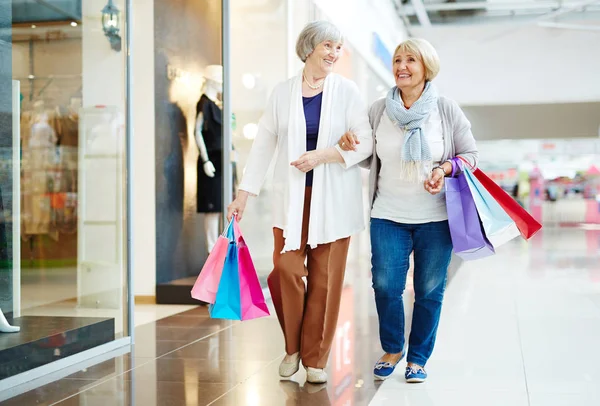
x=439, y=167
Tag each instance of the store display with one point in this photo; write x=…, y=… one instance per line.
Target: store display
x=208, y=134
x=5, y=327
x=49, y=142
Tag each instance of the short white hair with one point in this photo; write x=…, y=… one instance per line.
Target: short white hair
x=313, y=34
x=424, y=51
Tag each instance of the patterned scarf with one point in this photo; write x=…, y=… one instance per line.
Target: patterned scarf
x=416, y=155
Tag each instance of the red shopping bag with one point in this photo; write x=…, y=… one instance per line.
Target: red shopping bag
x=207, y=284
x=525, y=222
x=251, y=295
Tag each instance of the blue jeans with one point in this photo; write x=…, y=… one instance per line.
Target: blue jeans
x=391, y=245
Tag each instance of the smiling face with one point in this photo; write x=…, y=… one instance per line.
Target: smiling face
x=409, y=70
x=323, y=58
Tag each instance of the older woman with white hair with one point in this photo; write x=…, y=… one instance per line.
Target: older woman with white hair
x=416, y=133
x=316, y=195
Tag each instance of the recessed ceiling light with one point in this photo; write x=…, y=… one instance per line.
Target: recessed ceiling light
x=33, y=26
x=73, y=24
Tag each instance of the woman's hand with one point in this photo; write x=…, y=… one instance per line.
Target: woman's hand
x=238, y=205
x=435, y=183
x=309, y=161
x=348, y=142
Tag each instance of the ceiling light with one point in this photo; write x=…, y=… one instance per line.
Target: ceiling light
x=73, y=24
x=249, y=81
x=250, y=131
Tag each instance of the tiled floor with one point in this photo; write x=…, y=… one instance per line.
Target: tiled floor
x=518, y=329
x=521, y=328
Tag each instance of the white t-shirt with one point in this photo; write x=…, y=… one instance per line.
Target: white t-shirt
x=398, y=200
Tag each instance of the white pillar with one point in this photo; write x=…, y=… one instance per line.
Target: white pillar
x=103, y=68
x=104, y=84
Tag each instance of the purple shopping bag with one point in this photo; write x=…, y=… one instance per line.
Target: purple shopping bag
x=468, y=238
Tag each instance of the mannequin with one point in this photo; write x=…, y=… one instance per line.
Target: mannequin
x=208, y=138
x=68, y=119
x=39, y=154
x=5, y=327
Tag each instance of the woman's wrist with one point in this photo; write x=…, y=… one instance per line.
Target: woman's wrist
x=331, y=155
x=243, y=195
x=446, y=168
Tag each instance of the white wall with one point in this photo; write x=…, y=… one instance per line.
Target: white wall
x=516, y=64
x=103, y=68
x=143, y=176
x=104, y=84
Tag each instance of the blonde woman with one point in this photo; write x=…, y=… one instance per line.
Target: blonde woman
x=316, y=195
x=416, y=133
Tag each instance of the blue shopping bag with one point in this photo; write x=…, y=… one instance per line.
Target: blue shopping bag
x=498, y=226
x=228, y=301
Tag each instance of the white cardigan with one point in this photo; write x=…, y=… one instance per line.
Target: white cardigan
x=336, y=209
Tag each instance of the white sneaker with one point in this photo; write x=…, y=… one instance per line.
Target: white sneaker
x=316, y=375
x=287, y=369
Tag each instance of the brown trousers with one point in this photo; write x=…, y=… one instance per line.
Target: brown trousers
x=308, y=315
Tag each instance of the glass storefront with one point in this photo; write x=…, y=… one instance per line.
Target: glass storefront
x=188, y=83
x=63, y=185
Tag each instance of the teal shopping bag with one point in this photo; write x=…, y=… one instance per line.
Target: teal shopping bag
x=228, y=302
x=498, y=226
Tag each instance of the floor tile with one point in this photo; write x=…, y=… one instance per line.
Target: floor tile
x=433, y=397
x=131, y=393
x=110, y=368
x=149, y=347
x=199, y=371
x=49, y=394
x=561, y=399
x=232, y=350
x=290, y=393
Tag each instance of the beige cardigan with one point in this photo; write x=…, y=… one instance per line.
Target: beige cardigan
x=458, y=138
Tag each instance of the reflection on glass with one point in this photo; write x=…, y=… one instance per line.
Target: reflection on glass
x=62, y=184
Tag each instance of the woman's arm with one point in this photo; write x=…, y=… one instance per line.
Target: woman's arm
x=207, y=165
x=359, y=126
x=261, y=155
x=358, y=123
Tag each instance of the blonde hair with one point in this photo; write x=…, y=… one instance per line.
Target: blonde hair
x=424, y=51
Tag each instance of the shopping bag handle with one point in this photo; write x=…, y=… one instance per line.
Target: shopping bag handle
x=458, y=163
x=227, y=231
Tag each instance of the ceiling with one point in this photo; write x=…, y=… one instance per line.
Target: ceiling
x=427, y=12
x=36, y=11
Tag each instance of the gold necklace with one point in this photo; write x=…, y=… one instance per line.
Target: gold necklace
x=311, y=86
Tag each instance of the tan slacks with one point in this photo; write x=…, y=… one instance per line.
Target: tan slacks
x=308, y=315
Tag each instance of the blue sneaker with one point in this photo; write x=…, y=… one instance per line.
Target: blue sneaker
x=383, y=370
x=415, y=375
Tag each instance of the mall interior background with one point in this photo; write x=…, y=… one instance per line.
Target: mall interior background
x=527, y=80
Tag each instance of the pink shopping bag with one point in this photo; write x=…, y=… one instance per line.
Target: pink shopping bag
x=207, y=284
x=252, y=298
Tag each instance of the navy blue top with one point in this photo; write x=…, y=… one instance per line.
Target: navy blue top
x=312, y=113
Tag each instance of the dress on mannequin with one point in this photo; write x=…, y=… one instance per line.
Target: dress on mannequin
x=208, y=136
x=38, y=155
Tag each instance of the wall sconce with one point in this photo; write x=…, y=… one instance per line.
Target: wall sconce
x=111, y=25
